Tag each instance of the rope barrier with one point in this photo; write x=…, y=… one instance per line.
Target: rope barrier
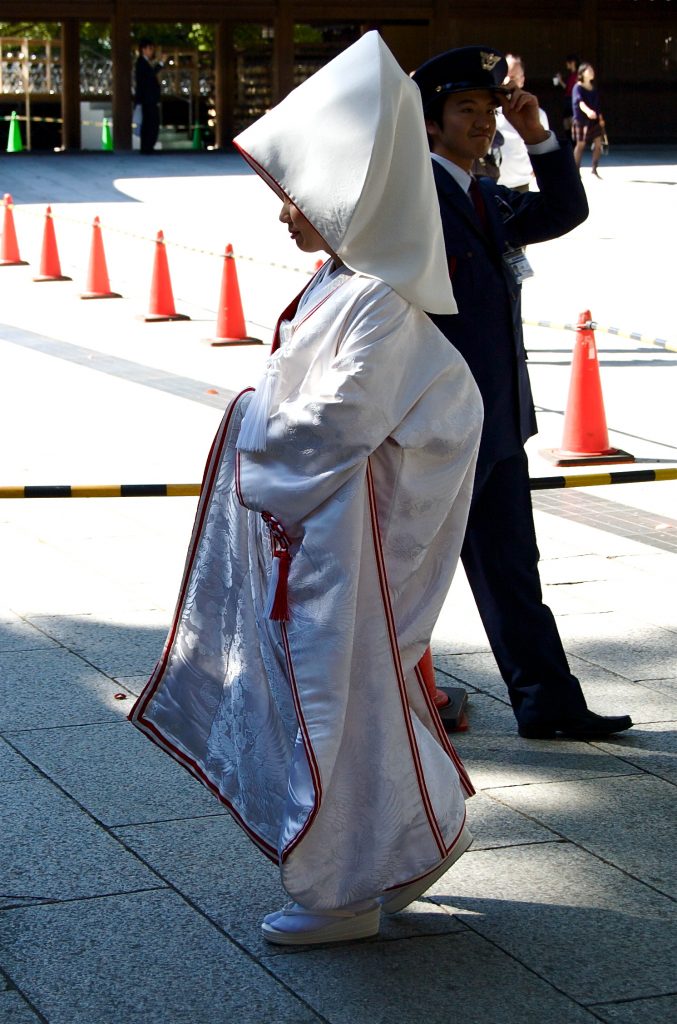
x=199, y=250
x=93, y=124
x=592, y=325
x=67, y=218
x=193, y=490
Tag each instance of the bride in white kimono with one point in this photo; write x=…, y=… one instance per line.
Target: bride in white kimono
x=330, y=523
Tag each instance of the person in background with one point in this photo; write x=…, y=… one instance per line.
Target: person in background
x=588, y=123
x=515, y=166
x=147, y=94
x=485, y=227
x=567, y=82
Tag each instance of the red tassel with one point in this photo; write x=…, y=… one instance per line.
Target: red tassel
x=279, y=606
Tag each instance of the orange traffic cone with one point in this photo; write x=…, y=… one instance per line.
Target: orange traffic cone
x=230, y=326
x=98, y=285
x=50, y=265
x=161, y=305
x=450, y=701
x=9, y=247
x=586, y=438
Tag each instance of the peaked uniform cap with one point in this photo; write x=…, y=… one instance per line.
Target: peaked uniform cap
x=461, y=70
x=348, y=147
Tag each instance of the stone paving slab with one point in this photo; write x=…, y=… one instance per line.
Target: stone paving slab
x=655, y=565
x=566, y=536
x=494, y=825
x=584, y=583
x=572, y=597
x=134, y=684
x=116, y=773
x=634, y=595
x=627, y=822
x=610, y=514
x=12, y=765
x=85, y=592
x=653, y=748
x=594, y=933
x=146, y=958
x=459, y=627
x=661, y=1010
x=18, y=635
x=168, y=358
x=114, y=648
x=144, y=574
x=54, y=851
x=458, y=977
x=495, y=755
x=15, y=1010
x=609, y=693
x=619, y=642
x=666, y=685
x=125, y=560
x=581, y=568
x=477, y=672
x=58, y=688
x=56, y=521
x=212, y=863
x=462, y=640
x=606, y=692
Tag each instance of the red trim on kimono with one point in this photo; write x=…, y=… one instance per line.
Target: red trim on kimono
x=392, y=635
x=211, y=469
x=137, y=711
x=443, y=736
x=402, y=885
x=191, y=766
x=307, y=746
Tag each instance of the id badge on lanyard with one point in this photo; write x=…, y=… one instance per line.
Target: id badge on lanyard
x=514, y=259
x=518, y=263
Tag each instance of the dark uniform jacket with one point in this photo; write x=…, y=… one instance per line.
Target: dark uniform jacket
x=147, y=86
x=487, y=329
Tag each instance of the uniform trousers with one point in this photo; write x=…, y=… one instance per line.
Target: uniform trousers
x=150, y=126
x=500, y=557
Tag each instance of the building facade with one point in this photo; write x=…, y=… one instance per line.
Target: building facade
x=260, y=50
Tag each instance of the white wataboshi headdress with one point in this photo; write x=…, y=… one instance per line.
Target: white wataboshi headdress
x=349, y=148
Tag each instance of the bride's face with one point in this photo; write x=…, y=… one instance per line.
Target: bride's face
x=301, y=230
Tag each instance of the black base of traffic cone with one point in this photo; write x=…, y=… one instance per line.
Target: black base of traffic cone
x=158, y=318
x=222, y=342
x=558, y=457
x=453, y=714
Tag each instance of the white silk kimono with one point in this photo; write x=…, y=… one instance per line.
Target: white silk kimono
x=317, y=731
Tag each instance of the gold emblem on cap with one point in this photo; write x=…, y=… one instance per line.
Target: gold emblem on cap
x=489, y=60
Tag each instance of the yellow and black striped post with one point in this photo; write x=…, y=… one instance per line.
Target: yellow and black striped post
x=542, y=483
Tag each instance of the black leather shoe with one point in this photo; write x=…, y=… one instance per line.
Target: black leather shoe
x=586, y=726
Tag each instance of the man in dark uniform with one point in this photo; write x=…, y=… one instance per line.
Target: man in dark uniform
x=485, y=227
x=147, y=94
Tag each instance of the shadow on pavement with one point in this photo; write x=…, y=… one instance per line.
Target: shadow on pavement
x=91, y=177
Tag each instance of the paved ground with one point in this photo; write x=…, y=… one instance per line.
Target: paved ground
x=127, y=895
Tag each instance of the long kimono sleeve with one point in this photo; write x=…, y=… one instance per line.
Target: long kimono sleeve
x=388, y=354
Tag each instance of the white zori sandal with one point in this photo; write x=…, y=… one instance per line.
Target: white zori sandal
x=398, y=899
x=295, y=925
